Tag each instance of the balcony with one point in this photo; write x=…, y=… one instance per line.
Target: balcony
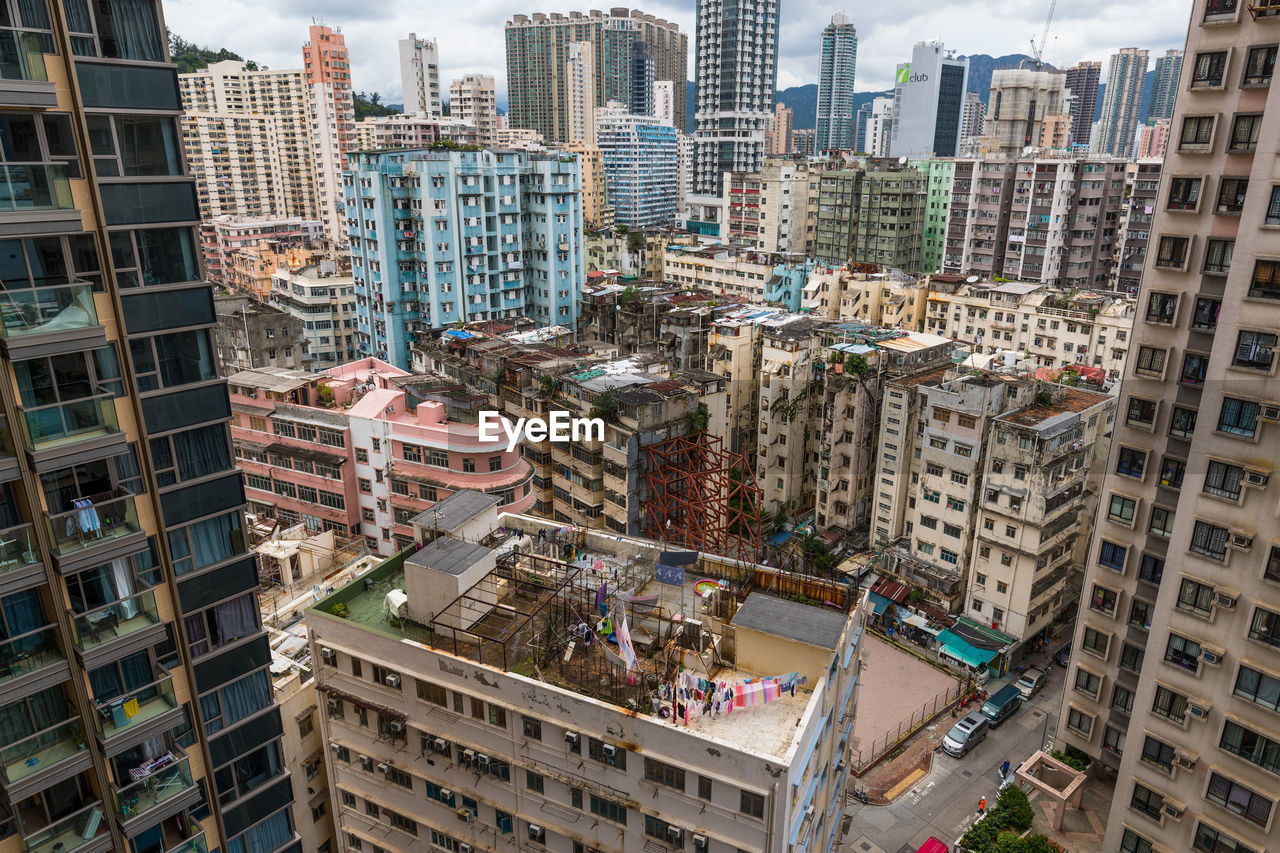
x=17, y=550
x=160, y=781
x=31, y=756
x=81, y=426
x=95, y=523
x=27, y=188
x=35, y=320
x=85, y=831
x=133, y=710
x=29, y=653
x=195, y=844
x=124, y=618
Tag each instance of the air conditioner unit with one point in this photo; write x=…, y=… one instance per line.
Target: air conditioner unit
x=445, y=795
x=335, y=746
x=1186, y=759
x=396, y=727
x=366, y=762
x=1174, y=810
x=537, y=833
x=464, y=848
x=1269, y=412
x=333, y=706
x=1241, y=540
x=1199, y=708
x=700, y=843
x=482, y=760
x=383, y=768
x=572, y=739
x=328, y=655
x=675, y=834
x=465, y=815
x=808, y=812
x=1226, y=600
x=1212, y=654
x=609, y=750
x=439, y=745
x=468, y=756
x=1256, y=477
x=392, y=680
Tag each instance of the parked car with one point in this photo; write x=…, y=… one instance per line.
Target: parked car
x=1031, y=682
x=933, y=845
x=1062, y=656
x=1002, y=705
x=966, y=734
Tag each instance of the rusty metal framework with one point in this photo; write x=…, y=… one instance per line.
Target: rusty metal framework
x=701, y=496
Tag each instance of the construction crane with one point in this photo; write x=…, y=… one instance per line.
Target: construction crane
x=1038, y=52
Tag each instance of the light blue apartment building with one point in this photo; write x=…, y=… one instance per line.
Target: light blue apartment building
x=441, y=237
x=640, y=158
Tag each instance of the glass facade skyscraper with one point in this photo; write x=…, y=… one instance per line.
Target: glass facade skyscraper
x=837, y=63
x=136, y=710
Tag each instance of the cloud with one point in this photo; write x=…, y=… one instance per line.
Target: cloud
x=471, y=32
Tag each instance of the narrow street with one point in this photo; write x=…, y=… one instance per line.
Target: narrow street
x=946, y=799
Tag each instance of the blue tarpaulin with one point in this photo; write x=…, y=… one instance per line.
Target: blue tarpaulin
x=780, y=537
x=879, y=602
x=955, y=646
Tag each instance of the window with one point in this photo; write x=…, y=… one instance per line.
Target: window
x=1254, y=350
x=1161, y=523
x=534, y=781
x=1079, y=722
x=1272, y=570
x=1265, y=627
x=1131, y=462
x=1195, y=367
x=1258, y=687
x=1184, y=194
x=664, y=774
x=614, y=756
x=1266, y=280
x=1197, y=133
x=1172, y=252
x=752, y=804
x=1132, y=842
x=1273, y=207
x=362, y=455
x=1260, y=65
x=1122, y=510
x=402, y=823
x=1238, y=417
x=1157, y=753
x=1113, y=740
x=532, y=727
x=1234, y=797
x=704, y=787
x=1182, y=651
x=608, y=809
x=1170, y=704
x=1095, y=641
x=1244, y=132
x=1122, y=698
x=1223, y=480
x=1172, y=471
x=1161, y=308
x=1140, y=614
x=1212, y=840
x=1231, y=195
x=1112, y=555
x=398, y=777
x=1146, y=801
x=1103, y=600
x=1208, y=69
x=1087, y=683
x=960, y=478
x=1141, y=413
x=497, y=716
x=1251, y=746
x=1151, y=569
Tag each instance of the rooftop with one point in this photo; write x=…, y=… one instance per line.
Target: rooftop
x=1066, y=400
x=527, y=616
x=456, y=510
x=279, y=379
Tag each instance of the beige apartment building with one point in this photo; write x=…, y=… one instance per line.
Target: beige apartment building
x=891, y=300
x=775, y=209
x=460, y=716
x=472, y=100
x=1019, y=104
x=247, y=136
x=1088, y=328
x=1174, y=686
x=790, y=394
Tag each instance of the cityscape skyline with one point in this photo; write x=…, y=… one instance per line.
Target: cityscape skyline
x=1084, y=31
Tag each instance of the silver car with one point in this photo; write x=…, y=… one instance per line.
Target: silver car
x=1031, y=682
x=966, y=734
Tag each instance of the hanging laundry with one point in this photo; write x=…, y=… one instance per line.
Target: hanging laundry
x=625, y=647
x=602, y=593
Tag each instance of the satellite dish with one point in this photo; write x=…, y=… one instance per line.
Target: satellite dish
x=902, y=161
x=973, y=279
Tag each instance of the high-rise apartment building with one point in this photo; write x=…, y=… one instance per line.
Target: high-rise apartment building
x=860, y=129
x=837, y=63
x=135, y=690
x=779, y=133
x=473, y=100
x=889, y=228
x=442, y=237
x=1019, y=103
x=642, y=70
x=247, y=136
x=1082, y=83
x=640, y=159
x=879, y=128
x=973, y=122
x=772, y=209
x=580, y=85
x=1142, y=187
x=1164, y=88
x=928, y=103
x=1175, y=673
x=1118, y=129
x=1153, y=139
x=326, y=67
x=537, y=47
x=737, y=74
x=420, y=76
x=664, y=101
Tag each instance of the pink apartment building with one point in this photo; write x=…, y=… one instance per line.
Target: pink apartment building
x=350, y=450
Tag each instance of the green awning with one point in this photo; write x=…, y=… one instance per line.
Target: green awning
x=956, y=646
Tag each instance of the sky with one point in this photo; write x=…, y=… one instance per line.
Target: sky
x=470, y=32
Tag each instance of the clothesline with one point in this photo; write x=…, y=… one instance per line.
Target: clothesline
x=692, y=696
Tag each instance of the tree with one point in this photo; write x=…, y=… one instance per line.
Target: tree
x=547, y=387
x=190, y=57
x=698, y=419
x=856, y=363
x=369, y=105
x=1015, y=806
x=636, y=242
x=606, y=406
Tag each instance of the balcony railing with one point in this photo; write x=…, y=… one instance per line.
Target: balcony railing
x=41, y=750
x=119, y=619
x=29, y=652
x=103, y=517
x=71, y=833
x=153, y=787
x=34, y=186
x=119, y=713
x=67, y=423
x=21, y=57
x=17, y=548
x=46, y=309
x=195, y=844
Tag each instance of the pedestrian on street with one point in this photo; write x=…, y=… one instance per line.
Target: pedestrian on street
x=1004, y=769
x=982, y=806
